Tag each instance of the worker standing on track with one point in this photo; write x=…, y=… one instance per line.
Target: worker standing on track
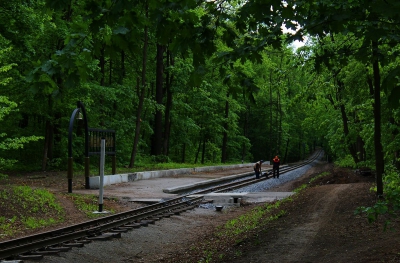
x=275, y=166
x=257, y=168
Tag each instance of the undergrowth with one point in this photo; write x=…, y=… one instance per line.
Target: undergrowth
x=23, y=207
x=88, y=204
x=26, y=208
x=388, y=206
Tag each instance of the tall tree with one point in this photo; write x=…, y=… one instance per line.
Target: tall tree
x=156, y=148
x=142, y=91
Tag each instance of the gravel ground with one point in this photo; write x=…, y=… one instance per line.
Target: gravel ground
x=274, y=182
x=144, y=244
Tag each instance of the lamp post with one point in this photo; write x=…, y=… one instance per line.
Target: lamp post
x=78, y=111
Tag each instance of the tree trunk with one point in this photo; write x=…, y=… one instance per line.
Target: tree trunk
x=138, y=125
x=183, y=153
x=123, y=71
x=53, y=126
x=286, y=151
x=48, y=130
x=269, y=146
x=198, y=149
x=141, y=97
x=102, y=66
x=110, y=73
x=379, y=161
x=203, y=153
x=157, y=136
x=245, y=130
x=360, y=149
x=102, y=62
x=279, y=126
x=167, y=122
x=146, y=110
x=225, y=134
x=394, y=135
x=351, y=146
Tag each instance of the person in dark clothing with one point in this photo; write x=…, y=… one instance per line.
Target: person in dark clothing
x=257, y=168
x=275, y=166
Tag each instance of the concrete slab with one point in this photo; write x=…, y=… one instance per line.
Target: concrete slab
x=180, y=188
x=266, y=196
x=94, y=181
x=188, y=187
x=146, y=200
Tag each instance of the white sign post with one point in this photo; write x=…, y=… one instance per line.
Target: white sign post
x=102, y=161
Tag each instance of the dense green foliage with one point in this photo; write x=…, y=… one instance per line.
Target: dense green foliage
x=202, y=81
x=200, y=107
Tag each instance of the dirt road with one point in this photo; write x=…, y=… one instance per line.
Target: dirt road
x=319, y=226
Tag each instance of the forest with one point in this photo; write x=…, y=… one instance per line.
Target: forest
x=215, y=81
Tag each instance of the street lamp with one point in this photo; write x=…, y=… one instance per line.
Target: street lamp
x=80, y=110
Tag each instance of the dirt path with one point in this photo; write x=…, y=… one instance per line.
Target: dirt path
x=320, y=226
x=298, y=239
x=294, y=242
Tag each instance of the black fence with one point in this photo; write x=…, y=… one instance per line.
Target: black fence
x=95, y=136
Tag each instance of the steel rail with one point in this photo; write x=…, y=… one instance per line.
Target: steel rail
x=34, y=244
x=92, y=228
x=239, y=184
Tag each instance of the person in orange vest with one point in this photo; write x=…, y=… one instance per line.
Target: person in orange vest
x=257, y=168
x=275, y=166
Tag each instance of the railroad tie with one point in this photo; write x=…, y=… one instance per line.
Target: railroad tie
x=168, y=214
x=84, y=241
x=30, y=257
x=125, y=227
x=77, y=244
x=45, y=252
x=142, y=223
x=133, y=225
x=177, y=212
x=119, y=230
x=148, y=221
x=105, y=236
x=61, y=249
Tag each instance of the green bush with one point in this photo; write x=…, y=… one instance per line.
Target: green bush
x=346, y=161
x=390, y=204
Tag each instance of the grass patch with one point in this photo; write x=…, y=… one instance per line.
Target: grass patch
x=237, y=230
x=87, y=204
x=250, y=221
x=303, y=186
x=26, y=208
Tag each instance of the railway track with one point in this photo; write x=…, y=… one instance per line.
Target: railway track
x=249, y=179
x=35, y=247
